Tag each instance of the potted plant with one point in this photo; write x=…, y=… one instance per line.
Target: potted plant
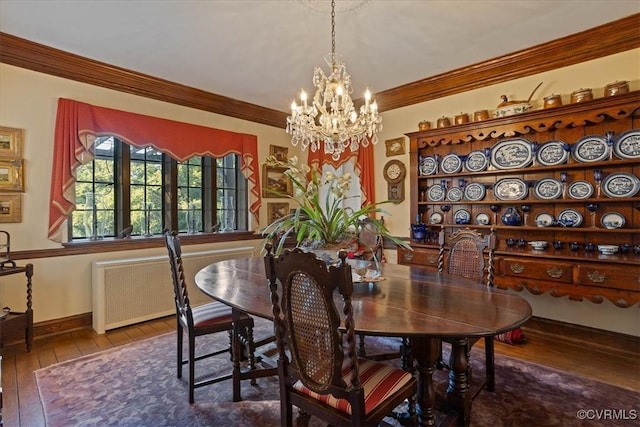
x=322, y=222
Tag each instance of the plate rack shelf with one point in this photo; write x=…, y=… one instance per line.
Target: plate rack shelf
x=576, y=273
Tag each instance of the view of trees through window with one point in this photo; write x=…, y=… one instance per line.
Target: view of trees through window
x=147, y=191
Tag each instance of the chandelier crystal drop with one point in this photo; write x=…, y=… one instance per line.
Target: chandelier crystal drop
x=330, y=118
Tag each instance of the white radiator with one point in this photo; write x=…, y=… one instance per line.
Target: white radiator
x=128, y=291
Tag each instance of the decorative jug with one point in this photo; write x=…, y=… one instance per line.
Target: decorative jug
x=419, y=231
x=511, y=217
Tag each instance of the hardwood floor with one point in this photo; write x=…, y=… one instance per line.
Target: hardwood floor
x=579, y=353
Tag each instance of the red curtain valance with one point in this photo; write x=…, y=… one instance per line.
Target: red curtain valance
x=78, y=124
x=363, y=166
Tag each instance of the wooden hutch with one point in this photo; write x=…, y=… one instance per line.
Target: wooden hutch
x=579, y=273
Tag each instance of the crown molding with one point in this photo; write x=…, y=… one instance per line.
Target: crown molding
x=608, y=39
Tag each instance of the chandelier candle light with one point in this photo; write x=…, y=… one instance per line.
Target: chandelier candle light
x=331, y=118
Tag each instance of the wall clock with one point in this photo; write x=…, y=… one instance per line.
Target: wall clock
x=394, y=173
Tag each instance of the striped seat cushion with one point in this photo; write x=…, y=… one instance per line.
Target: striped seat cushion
x=210, y=314
x=379, y=381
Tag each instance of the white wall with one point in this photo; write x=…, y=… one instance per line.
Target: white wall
x=62, y=286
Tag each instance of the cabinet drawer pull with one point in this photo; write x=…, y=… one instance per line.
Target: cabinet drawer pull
x=596, y=277
x=408, y=255
x=555, y=272
x=432, y=259
x=517, y=268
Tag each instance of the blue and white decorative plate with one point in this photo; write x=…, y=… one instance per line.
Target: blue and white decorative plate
x=451, y=163
x=570, y=218
x=612, y=220
x=476, y=161
x=455, y=194
x=621, y=184
x=436, y=218
x=510, y=189
x=580, y=190
x=544, y=220
x=552, y=153
x=591, y=148
x=548, y=189
x=512, y=154
x=474, y=192
x=462, y=216
x=627, y=145
x=428, y=165
x=435, y=193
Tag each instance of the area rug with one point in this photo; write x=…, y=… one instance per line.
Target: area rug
x=136, y=385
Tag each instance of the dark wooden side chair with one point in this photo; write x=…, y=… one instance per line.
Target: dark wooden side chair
x=319, y=371
x=466, y=258
x=205, y=319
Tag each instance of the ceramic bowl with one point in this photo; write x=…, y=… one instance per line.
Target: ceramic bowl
x=538, y=244
x=608, y=249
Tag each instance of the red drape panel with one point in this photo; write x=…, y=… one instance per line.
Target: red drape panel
x=77, y=125
x=364, y=167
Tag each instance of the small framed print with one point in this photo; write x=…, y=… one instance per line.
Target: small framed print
x=11, y=142
x=280, y=153
x=11, y=175
x=275, y=183
x=276, y=211
x=395, y=146
x=10, y=208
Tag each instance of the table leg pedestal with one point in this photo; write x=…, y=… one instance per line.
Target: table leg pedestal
x=458, y=397
x=426, y=353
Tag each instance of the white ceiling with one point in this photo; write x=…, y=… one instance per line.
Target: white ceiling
x=264, y=51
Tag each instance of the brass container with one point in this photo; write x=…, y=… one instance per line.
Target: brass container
x=552, y=101
x=581, y=95
x=424, y=125
x=461, y=118
x=480, y=115
x=443, y=122
x=616, y=88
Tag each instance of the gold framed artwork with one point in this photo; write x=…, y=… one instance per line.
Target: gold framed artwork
x=11, y=175
x=275, y=183
x=276, y=211
x=11, y=142
x=395, y=146
x=280, y=153
x=10, y=208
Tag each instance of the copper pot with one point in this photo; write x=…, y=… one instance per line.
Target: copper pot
x=552, y=101
x=616, y=88
x=424, y=125
x=581, y=95
x=443, y=122
x=480, y=115
x=461, y=118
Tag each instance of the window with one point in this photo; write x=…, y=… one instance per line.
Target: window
x=149, y=191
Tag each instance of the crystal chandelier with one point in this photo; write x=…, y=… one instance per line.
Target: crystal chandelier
x=332, y=118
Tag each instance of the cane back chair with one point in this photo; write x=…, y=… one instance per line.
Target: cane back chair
x=466, y=258
x=205, y=319
x=318, y=369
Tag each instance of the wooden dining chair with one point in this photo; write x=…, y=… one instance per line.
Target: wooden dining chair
x=466, y=258
x=205, y=319
x=318, y=368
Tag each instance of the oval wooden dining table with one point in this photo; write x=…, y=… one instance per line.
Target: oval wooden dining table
x=411, y=302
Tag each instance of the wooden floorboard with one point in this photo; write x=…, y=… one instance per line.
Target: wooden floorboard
x=22, y=407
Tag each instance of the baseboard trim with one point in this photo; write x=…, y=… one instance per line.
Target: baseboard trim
x=62, y=325
x=578, y=334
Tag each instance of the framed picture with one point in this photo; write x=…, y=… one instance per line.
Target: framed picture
x=11, y=175
x=276, y=211
x=280, y=153
x=275, y=183
x=11, y=142
x=395, y=146
x=10, y=208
